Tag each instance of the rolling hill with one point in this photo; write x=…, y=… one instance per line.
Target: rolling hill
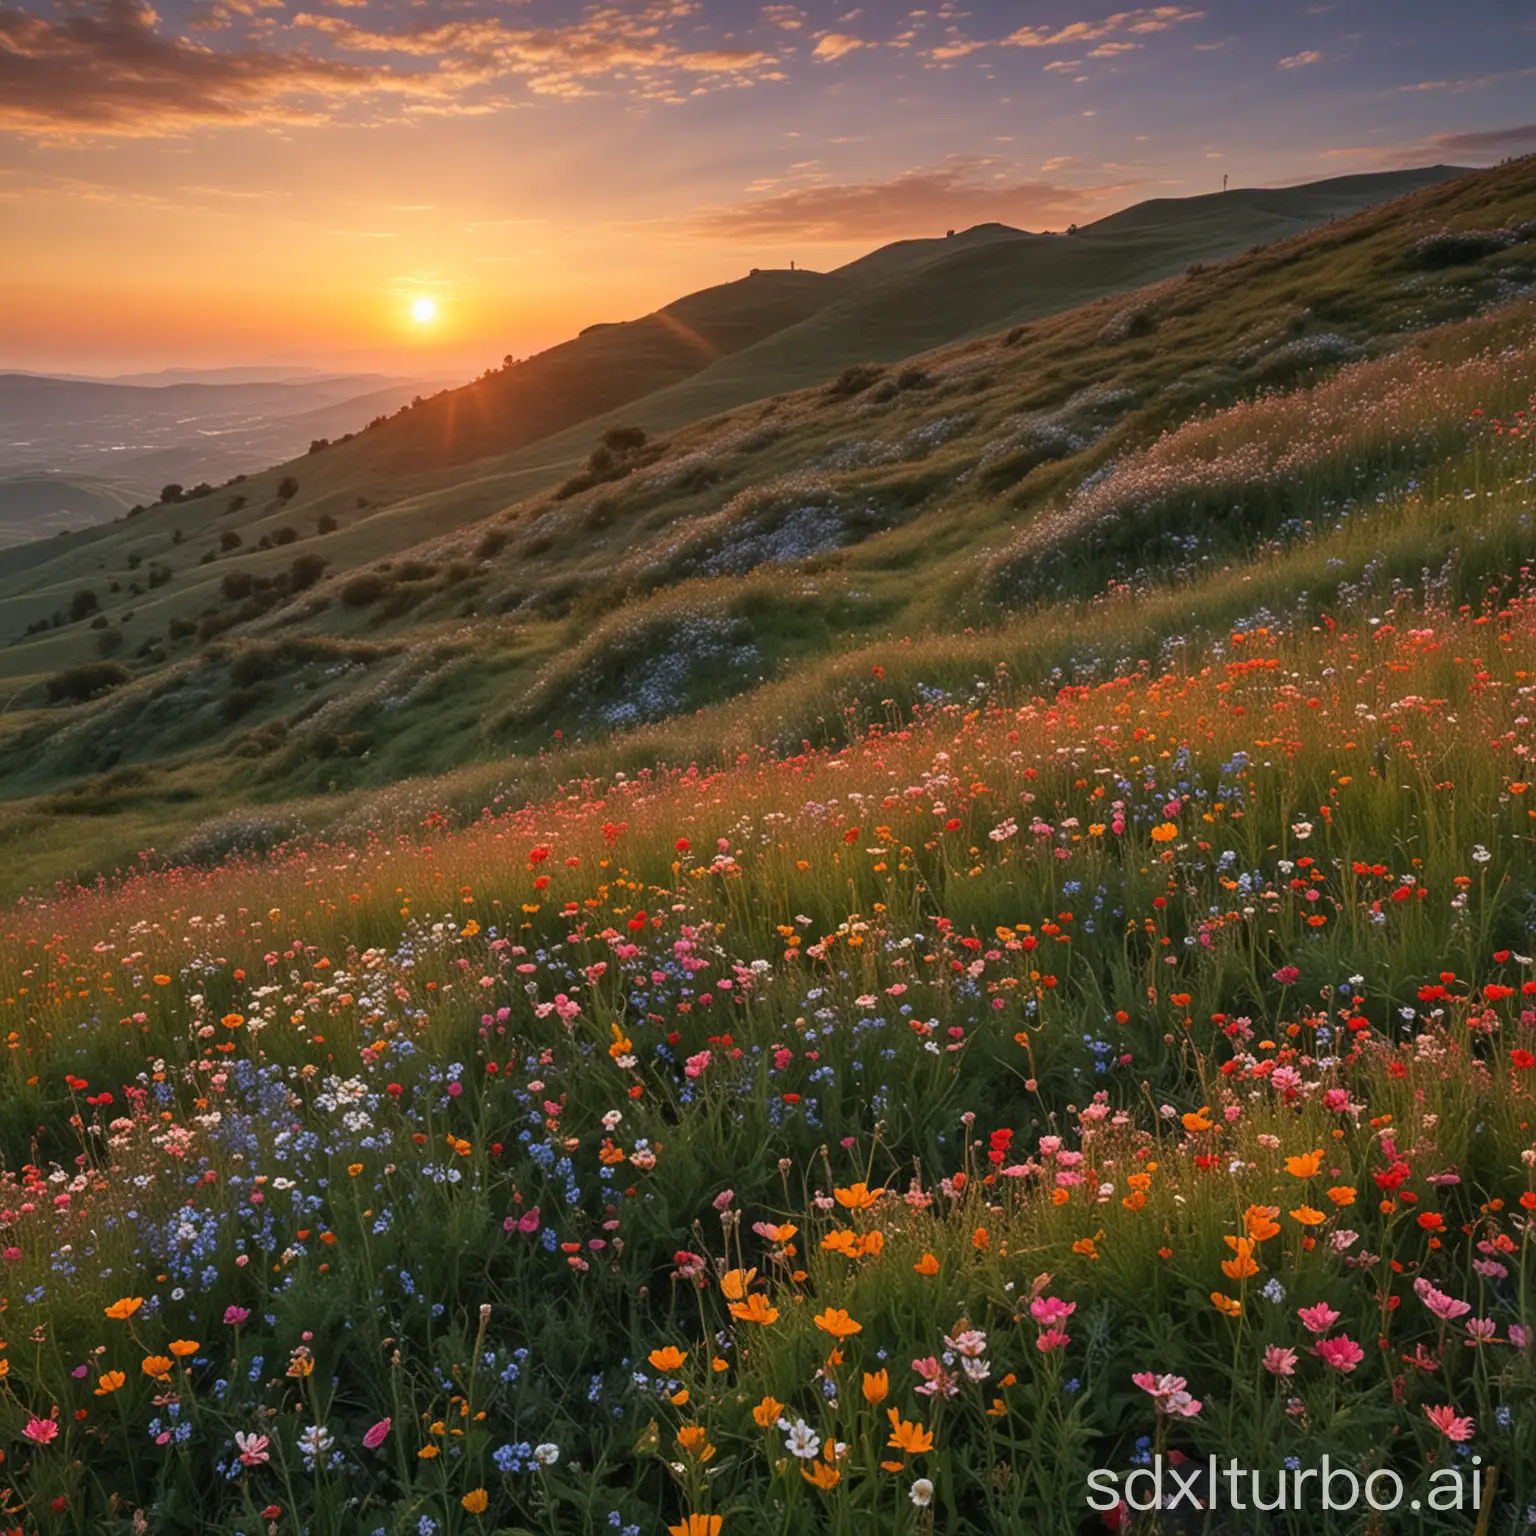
x=307, y=653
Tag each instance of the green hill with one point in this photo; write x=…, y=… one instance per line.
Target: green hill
x=752, y=563
x=41, y=505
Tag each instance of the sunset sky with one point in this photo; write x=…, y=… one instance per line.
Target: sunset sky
x=204, y=182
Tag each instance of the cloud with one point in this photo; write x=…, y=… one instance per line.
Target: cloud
x=788, y=18
x=951, y=196
x=107, y=70
x=110, y=69
x=835, y=45
x=1109, y=50
x=1300, y=60
x=1485, y=144
x=1470, y=83
x=1157, y=18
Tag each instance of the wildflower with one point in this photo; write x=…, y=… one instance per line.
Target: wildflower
x=1449, y=1424
x=857, y=1197
x=1164, y=832
x=1446, y=1308
x=1260, y=1223
x=669, y=1358
x=694, y=1439
x=377, y=1434
x=876, y=1385
x=156, y=1367
x=767, y=1412
x=234, y=1316
x=921, y=1493
x=936, y=1379
x=181, y=1348
x=1319, y=1318
x=927, y=1265
x=698, y=1525
x=1305, y=1166
x=1342, y=1194
x=546, y=1454
x=734, y=1283
x=755, y=1309
x=124, y=1308
x=315, y=1441
x=253, y=1449
x=1307, y=1216
x=908, y=1435
x=821, y=1475
x=1242, y=1264
x=1229, y=1306
x=1051, y=1311
x=1342, y=1353
x=1048, y=1340
x=475, y=1501
x=109, y=1382
x=1169, y=1393
x=837, y=1322
x=41, y=1431
x=1279, y=1361
x=802, y=1440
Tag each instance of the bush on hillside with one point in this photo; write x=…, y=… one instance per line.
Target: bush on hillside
x=75, y=684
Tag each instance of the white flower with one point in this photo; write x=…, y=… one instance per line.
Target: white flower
x=1481, y=854
x=547, y=1454
x=315, y=1441
x=802, y=1441
x=921, y=1493
x=1301, y=830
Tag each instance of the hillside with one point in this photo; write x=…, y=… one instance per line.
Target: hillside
x=761, y=565
x=42, y=506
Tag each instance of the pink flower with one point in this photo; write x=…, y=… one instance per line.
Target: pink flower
x=1342, y=1353
x=1169, y=1393
x=1279, y=1362
x=1051, y=1339
x=1481, y=1330
x=377, y=1435
x=1050, y=1311
x=41, y=1431
x=1445, y=1420
x=526, y=1223
x=697, y=1063
x=253, y=1449
x=1518, y=1336
x=1447, y=1308
x=1319, y=1318
x=936, y=1379
x=234, y=1316
x=1286, y=975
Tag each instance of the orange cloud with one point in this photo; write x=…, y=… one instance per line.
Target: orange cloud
x=1157, y=18
x=948, y=196
x=836, y=44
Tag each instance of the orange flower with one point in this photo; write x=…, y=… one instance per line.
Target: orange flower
x=857, y=1197
x=1164, y=832
x=1087, y=1246
x=842, y=1240
x=125, y=1307
x=109, y=1382
x=1199, y=1121
x=908, y=1435
x=755, y=1309
x=668, y=1358
x=981, y=1240
x=927, y=1265
x=181, y=1348
x=821, y=1475
x=1307, y=1216
x=734, y=1283
x=694, y=1439
x=782, y=1234
x=1260, y=1221
x=697, y=1525
x=876, y=1386
x=1342, y=1194
x=837, y=1322
x=1305, y=1166
x=1241, y=1265
x=475, y=1501
x=767, y=1412
x=156, y=1367
x=1226, y=1304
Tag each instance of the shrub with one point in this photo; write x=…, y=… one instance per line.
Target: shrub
x=622, y=440
x=326, y=524
x=287, y=488
x=75, y=684
x=305, y=571
x=83, y=604
x=491, y=544
x=364, y=588
x=229, y=540
x=109, y=642
x=853, y=380
x=285, y=535
x=170, y=493
x=236, y=584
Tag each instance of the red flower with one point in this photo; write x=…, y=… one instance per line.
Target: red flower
x=1522, y=1059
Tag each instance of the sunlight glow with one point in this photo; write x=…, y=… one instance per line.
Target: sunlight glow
x=424, y=311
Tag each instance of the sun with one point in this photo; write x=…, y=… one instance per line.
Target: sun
x=424, y=311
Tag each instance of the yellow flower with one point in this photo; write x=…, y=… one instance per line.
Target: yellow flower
x=837, y=1322
x=181, y=1348
x=109, y=1383
x=1305, y=1166
x=156, y=1367
x=475, y=1501
x=767, y=1412
x=697, y=1525
x=755, y=1309
x=1226, y=1304
x=667, y=1358
x=1307, y=1216
x=124, y=1307
x=876, y=1386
